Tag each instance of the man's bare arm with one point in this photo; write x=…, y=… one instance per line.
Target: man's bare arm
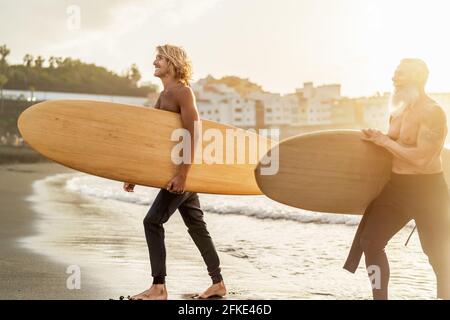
x=189, y=115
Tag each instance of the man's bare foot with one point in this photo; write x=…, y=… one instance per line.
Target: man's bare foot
x=155, y=292
x=139, y=295
x=216, y=290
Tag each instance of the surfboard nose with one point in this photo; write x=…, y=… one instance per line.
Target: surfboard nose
x=27, y=121
x=22, y=123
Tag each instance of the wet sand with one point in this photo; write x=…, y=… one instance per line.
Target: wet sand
x=23, y=274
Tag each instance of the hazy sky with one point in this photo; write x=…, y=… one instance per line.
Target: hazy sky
x=277, y=43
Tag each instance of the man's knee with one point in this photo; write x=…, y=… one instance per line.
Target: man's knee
x=198, y=228
x=371, y=246
x=151, y=222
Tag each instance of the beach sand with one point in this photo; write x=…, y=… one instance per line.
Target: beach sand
x=23, y=274
x=45, y=228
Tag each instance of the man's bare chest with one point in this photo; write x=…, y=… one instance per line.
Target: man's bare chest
x=405, y=128
x=169, y=102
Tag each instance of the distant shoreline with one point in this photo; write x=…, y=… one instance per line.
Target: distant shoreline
x=17, y=155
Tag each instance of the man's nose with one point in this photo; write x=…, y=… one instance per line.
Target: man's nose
x=396, y=80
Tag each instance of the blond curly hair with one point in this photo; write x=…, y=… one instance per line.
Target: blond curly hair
x=178, y=61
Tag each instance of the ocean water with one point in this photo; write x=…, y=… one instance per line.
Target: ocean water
x=268, y=250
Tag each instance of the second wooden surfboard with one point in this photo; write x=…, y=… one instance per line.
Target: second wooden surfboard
x=330, y=171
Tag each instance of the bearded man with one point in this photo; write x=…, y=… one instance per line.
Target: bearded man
x=417, y=189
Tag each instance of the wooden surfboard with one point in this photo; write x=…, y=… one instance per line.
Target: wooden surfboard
x=130, y=144
x=330, y=171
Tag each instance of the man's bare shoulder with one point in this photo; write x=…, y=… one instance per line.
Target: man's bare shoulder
x=434, y=113
x=185, y=96
x=184, y=91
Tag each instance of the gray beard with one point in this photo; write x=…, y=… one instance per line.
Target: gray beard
x=403, y=98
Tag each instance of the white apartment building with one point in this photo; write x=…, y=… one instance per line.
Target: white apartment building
x=220, y=103
x=319, y=102
x=309, y=105
x=322, y=105
x=278, y=110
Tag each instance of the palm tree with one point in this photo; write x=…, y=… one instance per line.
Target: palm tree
x=39, y=61
x=4, y=52
x=59, y=61
x=52, y=62
x=28, y=60
x=55, y=62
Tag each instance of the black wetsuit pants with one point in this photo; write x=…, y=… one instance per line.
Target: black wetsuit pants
x=163, y=207
x=423, y=198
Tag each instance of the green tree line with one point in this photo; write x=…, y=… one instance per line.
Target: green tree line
x=68, y=75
